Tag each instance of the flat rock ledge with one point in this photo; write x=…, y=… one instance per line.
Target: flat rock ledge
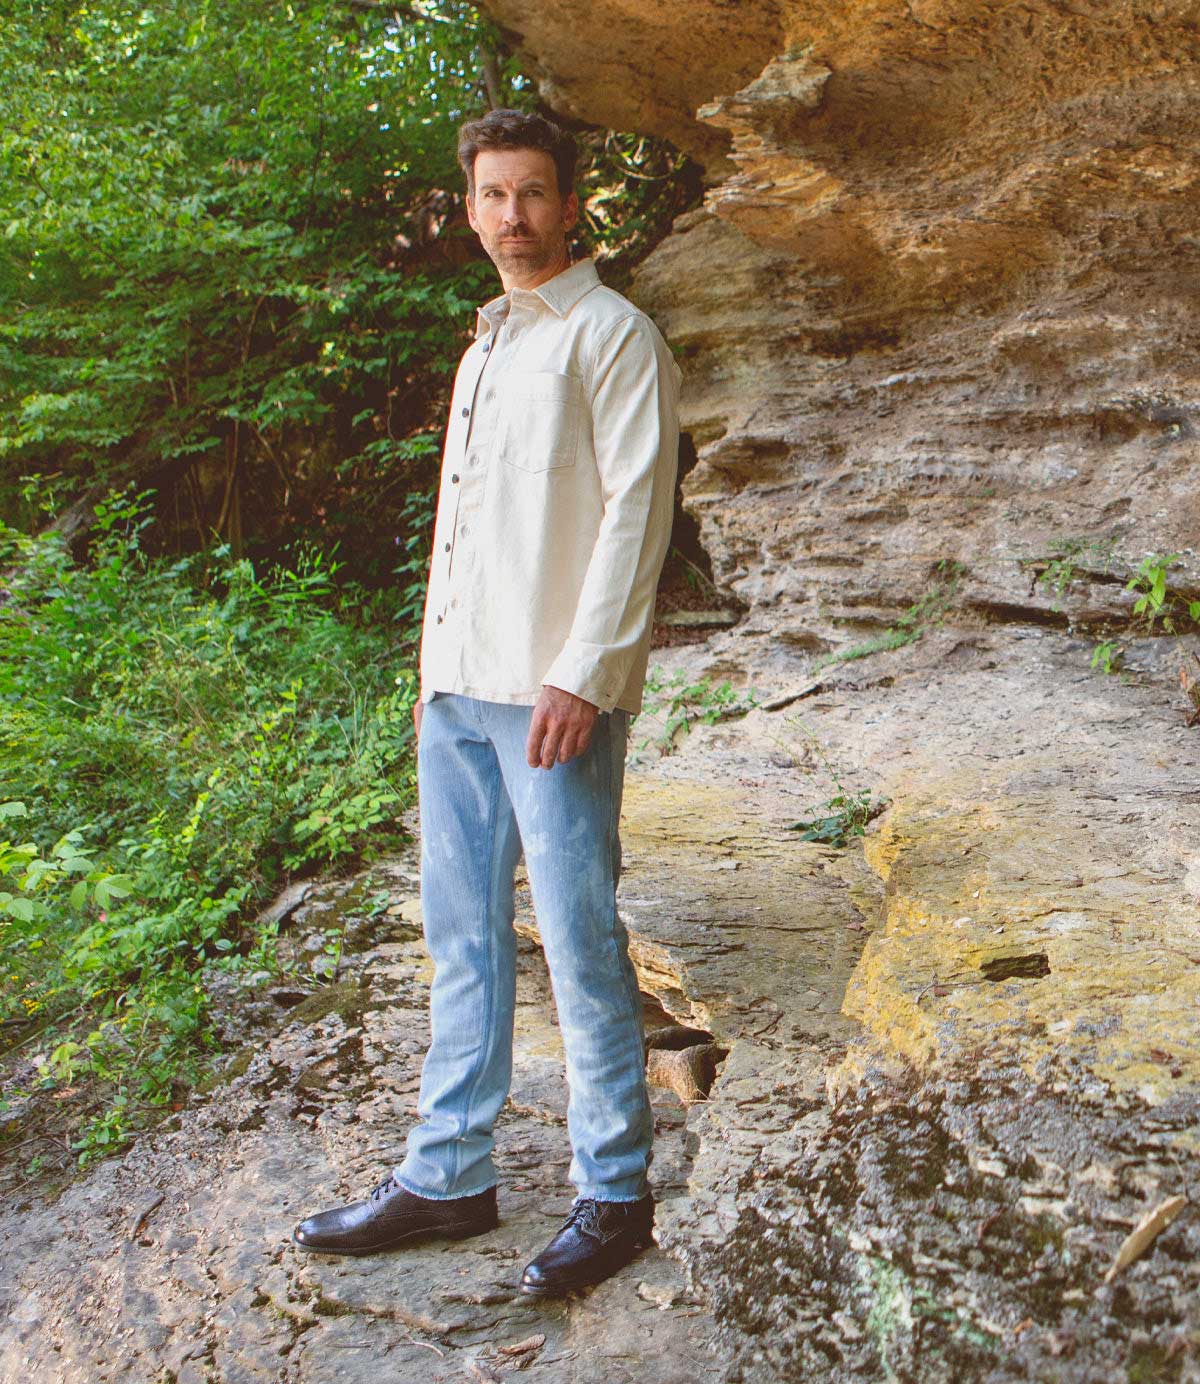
x=964, y=1060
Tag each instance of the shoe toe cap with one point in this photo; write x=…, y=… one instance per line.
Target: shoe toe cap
x=307, y=1233
x=539, y=1276
x=324, y=1229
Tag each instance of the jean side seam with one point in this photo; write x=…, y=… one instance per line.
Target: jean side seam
x=631, y=991
x=490, y=969
x=613, y=829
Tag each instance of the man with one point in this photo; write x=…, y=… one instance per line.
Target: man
x=553, y=521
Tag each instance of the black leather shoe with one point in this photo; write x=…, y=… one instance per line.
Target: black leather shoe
x=596, y=1239
x=392, y=1215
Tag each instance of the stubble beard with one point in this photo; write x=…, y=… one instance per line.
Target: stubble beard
x=527, y=256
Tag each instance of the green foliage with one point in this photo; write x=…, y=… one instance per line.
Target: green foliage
x=840, y=817
x=926, y=612
x=843, y=815
x=1107, y=656
x=678, y=704
x=1073, y=560
x=210, y=232
x=177, y=736
x=631, y=187
x=1155, y=602
x=233, y=252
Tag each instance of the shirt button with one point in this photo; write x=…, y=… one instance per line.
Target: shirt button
x=466, y=412
x=485, y=346
x=454, y=478
x=491, y=394
x=447, y=547
x=463, y=530
x=439, y=619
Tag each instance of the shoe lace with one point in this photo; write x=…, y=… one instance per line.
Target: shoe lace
x=384, y=1187
x=586, y=1215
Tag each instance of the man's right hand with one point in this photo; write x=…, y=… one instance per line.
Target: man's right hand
x=418, y=712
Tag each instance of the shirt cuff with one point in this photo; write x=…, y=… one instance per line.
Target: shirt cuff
x=588, y=671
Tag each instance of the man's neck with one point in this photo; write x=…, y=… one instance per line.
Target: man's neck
x=536, y=280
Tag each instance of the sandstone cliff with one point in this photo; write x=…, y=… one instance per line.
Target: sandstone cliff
x=940, y=300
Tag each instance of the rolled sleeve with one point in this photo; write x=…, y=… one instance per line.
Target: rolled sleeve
x=635, y=427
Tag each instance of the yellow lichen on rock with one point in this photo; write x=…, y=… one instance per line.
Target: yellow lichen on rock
x=1001, y=934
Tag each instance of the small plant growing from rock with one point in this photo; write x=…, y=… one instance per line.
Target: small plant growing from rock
x=843, y=815
x=682, y=703
x=1155, y=601
x=1074, y=560
x=1107, y=656
x=928, y=611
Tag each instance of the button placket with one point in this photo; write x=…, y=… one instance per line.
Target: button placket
x=467, y=411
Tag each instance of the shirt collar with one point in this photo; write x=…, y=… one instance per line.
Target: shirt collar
x=560, y=294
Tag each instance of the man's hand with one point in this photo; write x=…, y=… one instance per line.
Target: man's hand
x=560, y=729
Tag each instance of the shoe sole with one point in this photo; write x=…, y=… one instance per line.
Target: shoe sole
x=408, y=1237
x=548, y=1290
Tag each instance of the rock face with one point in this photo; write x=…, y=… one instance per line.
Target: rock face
x=977, y=1068
x=939, y=301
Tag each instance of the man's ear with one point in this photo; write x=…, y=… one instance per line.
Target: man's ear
x=570, y=210
x=471, y=211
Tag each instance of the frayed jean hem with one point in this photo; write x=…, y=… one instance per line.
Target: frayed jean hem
x=438, y=1196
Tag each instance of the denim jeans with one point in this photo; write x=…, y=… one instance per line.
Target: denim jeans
x=480, y=805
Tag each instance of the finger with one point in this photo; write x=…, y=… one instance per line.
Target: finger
x=533, y=745
x=550, y=748
x=569, y=747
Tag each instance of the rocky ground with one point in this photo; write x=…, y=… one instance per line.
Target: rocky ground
x=176, y=1263
x=956, y=1065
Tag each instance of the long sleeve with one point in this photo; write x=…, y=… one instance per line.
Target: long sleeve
x=635, y=425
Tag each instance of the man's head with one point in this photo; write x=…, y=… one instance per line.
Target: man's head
x=520, y=199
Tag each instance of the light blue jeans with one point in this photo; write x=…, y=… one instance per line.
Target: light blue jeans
x=480, y=804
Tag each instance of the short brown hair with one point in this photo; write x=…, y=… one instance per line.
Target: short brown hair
x=508, y=129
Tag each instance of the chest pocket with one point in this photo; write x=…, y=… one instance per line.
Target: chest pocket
x=542, y=415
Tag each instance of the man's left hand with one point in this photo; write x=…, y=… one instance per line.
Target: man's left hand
x=561, y=728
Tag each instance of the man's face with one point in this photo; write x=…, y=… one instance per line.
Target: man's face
x=519, y=215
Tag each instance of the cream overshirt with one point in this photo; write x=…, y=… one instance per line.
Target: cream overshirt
x=556, y=499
